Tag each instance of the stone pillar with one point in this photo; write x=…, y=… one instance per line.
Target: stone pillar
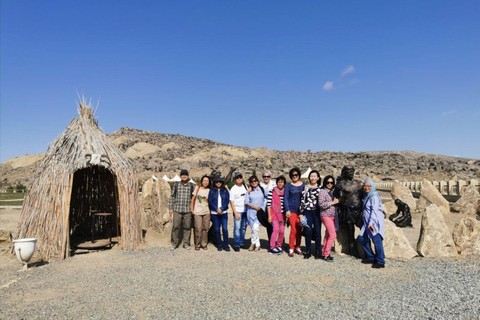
x=443, y=187
x=462, y=185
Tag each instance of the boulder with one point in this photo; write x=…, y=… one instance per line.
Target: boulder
x=466, y=235
x=435, y=239
x=155, y=196
x=389, y=208
x=429, y=194
x=469, y=201
x=395, y=244
x=5, y=236
x=399, y=191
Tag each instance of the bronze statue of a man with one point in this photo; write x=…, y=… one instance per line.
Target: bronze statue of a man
x=349, y=192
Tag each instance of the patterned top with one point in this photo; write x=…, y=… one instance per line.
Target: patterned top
x=325, y=198
x=309, y=199
x=181, y=197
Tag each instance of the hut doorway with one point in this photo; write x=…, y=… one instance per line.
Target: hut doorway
x=93, y=208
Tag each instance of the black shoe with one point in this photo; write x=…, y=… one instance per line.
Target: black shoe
x=227, y=248
x=307, y=255
x=378, y=265
x=236, y=249
x=331, y=258
x=366, y=261
x=219, y=249
x=318, y=256
x=328, y=259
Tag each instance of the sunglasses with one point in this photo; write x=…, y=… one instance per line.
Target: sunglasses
x=218, y=182
x=254, y=181
x=266, y=176
x=295, y=175
x=329, y=182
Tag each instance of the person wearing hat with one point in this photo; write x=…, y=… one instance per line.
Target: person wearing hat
x=237, y=202
x=218, y=200
x=179, y=208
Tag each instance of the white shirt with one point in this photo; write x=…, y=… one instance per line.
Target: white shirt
x=237, y=196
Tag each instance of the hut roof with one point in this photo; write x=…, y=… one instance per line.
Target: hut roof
x=45, y=213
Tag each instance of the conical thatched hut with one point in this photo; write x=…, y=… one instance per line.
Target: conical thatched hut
x=82, y=173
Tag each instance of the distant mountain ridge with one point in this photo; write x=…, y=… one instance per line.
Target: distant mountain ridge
x=154, y=152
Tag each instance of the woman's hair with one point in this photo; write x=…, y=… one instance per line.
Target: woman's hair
x=267, y=171
x=252, y=178
x=324, y=184
x=201, y=180
x=281, y=178
x=292, y=171
x=318, y=175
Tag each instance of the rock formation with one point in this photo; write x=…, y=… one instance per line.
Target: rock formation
x=469, y=202
x=466, y=236
x=395, y=244
x=428, y=195
x=155, y=196
x=399, y=191
x=435, y=239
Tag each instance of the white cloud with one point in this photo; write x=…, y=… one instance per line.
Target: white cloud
x=447, y=113
x=328, y=86
x=347, y=70
x=354, y=81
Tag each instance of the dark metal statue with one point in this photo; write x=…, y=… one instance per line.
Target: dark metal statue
x=349, y=192
x=402, y=218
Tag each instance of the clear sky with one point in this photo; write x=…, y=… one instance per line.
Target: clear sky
x=302, y=75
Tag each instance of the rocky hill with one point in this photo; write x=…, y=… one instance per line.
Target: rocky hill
x=160, y=153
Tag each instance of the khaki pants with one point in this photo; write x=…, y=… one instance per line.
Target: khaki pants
x=181, y=222
x=202, y=224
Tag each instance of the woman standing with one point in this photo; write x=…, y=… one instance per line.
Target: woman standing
x=373, y=226
x=293, y=194
x=255, y=201
x=201, y=213
x=309, y=209
x=276, y=215
x=326, y=203
x=218, y=200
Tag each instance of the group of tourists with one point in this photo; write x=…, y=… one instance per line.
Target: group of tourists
x=302, y=206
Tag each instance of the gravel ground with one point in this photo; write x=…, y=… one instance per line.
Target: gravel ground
x=156, y=283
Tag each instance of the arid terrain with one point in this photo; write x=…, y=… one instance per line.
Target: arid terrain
x=160, y=153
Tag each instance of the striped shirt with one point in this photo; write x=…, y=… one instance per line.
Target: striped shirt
x=269, y=200
x=309, y=199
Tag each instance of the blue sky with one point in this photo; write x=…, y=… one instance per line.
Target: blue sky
x=286, y=75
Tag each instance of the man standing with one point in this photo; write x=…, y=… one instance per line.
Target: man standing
x=349, y=192
x=179, y=206
x=237, y=203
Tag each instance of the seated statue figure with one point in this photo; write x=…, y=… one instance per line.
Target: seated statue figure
x=402, y=218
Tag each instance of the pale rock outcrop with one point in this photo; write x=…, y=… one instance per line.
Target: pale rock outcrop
x=399, y=191
x=429, y=194
x=155, y=196
x=389, y=208
x=466, y=235
x=435, y=239
x=469, y=202
x=395, y=244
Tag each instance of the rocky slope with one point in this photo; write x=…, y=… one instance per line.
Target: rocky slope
x=160, y=153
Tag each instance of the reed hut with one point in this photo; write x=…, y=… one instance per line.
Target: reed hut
x=82, y=177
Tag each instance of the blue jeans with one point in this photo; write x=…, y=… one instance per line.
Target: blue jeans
x=216, y=221
x=239, y=229
x=379, y=256
x=314, y=225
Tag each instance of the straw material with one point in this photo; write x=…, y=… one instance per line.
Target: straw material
x=48, y=205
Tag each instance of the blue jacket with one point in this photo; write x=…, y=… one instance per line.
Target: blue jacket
x=213, y=199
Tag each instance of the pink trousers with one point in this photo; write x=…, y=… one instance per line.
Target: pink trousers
x=276, y=240
x=330, y=235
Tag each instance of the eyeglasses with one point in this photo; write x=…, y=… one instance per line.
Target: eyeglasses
x=266, y=176
x=295, y=175
x=329, y=182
